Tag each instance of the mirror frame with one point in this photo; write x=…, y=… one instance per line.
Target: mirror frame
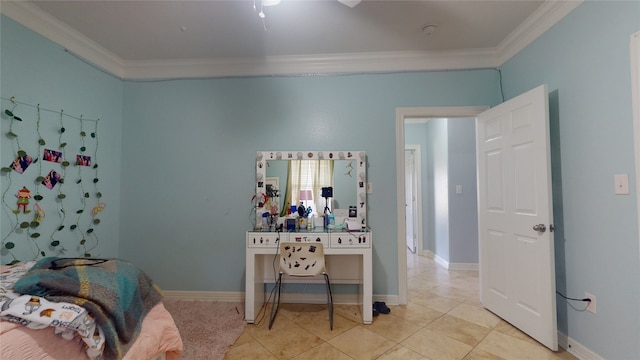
x=361, y=172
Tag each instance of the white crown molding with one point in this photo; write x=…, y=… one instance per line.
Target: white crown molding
x=545, y=16
x=316, y=64
x=51, y=28
x=84, y=48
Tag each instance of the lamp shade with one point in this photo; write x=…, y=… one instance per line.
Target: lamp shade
x=306, y=195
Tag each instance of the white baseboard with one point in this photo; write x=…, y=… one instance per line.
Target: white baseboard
x=441, y=261
x=223, y=296
x=428, y=253
x=298, y=298
x=387, y=299
x=464, y=266
x=451, y=266
x=576, y=349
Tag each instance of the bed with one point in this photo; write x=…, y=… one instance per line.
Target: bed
x=76, y=308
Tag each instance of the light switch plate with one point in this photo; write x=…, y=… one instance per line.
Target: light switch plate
x=621, y=184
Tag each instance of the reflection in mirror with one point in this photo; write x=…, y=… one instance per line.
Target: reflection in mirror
x=292, y=178
x=301, y=181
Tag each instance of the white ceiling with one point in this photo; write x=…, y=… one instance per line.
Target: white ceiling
x=143, y=39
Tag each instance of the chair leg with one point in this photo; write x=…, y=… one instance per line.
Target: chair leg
x=329, y=301
x=275, y=305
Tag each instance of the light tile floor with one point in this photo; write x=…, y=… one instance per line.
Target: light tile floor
x=443, y=320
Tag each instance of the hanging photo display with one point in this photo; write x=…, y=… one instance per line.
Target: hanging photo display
x=31, y=187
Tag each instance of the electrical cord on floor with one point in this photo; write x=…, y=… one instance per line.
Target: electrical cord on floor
x=263, y=309
x=575, y=299
x=273, y=289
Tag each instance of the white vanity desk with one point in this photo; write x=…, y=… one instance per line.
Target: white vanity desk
x=348, y=256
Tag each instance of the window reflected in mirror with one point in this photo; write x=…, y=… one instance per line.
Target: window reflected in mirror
x=290, y=179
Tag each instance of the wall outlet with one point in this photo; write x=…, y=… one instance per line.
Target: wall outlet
x=591, y=305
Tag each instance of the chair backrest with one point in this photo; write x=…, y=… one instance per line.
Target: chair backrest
x=301, y=259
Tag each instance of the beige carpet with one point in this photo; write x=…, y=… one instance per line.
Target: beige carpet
x=208, y=328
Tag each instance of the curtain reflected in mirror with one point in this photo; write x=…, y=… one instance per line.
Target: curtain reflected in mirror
x=306, y=176
x=299, y=175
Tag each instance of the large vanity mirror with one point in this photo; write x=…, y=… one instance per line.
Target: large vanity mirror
x=325, y=182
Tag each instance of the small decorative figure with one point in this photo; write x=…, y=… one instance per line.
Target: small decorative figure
x=23, y=196
x=39, y=213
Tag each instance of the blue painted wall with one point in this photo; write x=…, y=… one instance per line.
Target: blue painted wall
x=190, y=150
x=36, y=71
x=585, y=61
x=463, y=208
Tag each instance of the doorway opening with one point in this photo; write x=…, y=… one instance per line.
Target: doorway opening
x=402, y=116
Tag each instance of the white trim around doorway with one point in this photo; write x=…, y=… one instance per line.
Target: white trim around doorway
x=418, y=195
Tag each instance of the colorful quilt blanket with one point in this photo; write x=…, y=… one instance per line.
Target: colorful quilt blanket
x=117, y=294
x=67, y=319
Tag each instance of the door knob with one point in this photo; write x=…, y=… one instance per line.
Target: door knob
x=540, y=228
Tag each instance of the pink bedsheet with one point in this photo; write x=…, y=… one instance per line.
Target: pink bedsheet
x=159, y=334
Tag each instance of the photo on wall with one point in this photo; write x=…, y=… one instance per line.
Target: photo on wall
x=21, y=163
x=51, y=179
x=83, y=160
x=52, y=155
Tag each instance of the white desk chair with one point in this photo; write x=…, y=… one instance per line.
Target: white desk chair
x=301, y=260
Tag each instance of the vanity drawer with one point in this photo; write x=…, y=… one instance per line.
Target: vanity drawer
x=310, y=237
x=265, y=239
x=350, y=240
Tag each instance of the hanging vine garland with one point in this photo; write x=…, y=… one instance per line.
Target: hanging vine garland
x=99, y=206
x=29, y=221
x=33, y=225
x=20, y=164
x=37, y=197
x=82, y=160
x=7, y=245
x=81, y=191
x=53, y=242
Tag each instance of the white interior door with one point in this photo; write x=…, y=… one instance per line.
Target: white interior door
x=410, y=198
x=517, y=270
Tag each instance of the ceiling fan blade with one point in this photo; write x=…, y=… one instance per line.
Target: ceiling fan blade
x=350, y=3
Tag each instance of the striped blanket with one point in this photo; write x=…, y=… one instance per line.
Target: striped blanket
x=116, y=293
